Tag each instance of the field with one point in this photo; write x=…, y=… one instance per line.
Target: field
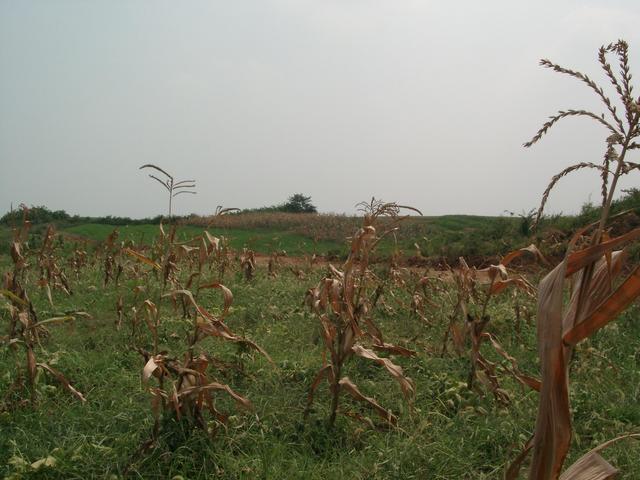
x=263, y=240
x=444, y=237
x=447, y=236
x=450, y=431
x=280, y=345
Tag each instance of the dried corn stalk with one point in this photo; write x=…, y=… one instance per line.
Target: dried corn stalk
x=475, y=289
x=25, y=330
x=342, y=303
x=185, y=387
x=168, y=182
x=248, y=263
x=591, y=271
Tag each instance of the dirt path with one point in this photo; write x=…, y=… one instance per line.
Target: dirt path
x=304, y=263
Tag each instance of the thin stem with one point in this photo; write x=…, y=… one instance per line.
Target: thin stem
x=616, y=175
x=170, y=197
x=335, y=386
x=588, y=272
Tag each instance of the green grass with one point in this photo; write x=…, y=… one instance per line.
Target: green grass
x=452, y=434
x=449, y=236
x=461, y=222
x=261, y=240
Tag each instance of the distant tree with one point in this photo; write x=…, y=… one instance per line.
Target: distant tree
x=37, y=214
x=299, y=203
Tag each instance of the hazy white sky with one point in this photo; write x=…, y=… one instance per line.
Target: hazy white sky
x=422, y=102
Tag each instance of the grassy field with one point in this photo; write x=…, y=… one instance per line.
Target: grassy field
x=452, y=432
x=448, y=237
x=487, y=363
x=261, y=240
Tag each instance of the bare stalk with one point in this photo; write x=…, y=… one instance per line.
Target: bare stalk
x=173, y=188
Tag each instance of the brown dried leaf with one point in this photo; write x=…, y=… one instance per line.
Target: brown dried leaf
x=51, y=320
x=518, y=282
x=240, y=400
x=387, y=347
x=350, y=387
x=328, y=333
x=534, y=383
x=607, y=311
x=509, y=257
x=590, y=467
x=217, y=328
x=495, y=271
x=228, y=296
x=322, y=373
x=580, y=259
x=63, y=380
x=31, y=365
x=48, y=289
x=214, y=242
x=553, y=425
x=513, y=470
x=151, y=366
x=141, y=258
x=203, y=252
x=396, y=372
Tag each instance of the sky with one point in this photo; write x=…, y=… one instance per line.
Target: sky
x=426, y=103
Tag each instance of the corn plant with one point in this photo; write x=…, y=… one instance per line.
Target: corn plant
x=342, y=302
x=185, y=387
x=422, y=297
x=78, y=260
x=248, y=263
x=168, y=182
x=275, y=263
x=50, y=273
x=592, y=264
x=474, y=292
x=25, y=329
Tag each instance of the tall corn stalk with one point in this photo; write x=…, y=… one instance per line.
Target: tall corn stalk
x=343, y=303
x=594, y=299
x=173, y=188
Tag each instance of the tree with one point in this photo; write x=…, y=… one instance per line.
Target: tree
x=299, y=203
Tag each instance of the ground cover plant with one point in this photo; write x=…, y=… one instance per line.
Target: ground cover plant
x=184, y=353
x=452, y=432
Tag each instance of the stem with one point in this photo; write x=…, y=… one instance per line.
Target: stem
x=452, y=320
x=616, y=175
x=170, y=197
x=335, y=386
x=476, y=330
x=335, y=395
x=487, y=298
x=588, y=271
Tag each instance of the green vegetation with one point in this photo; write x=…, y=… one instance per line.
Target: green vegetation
x=296, y=203
x=453, y=433
x=261, y=240
x=442, y=238
x=42, y=215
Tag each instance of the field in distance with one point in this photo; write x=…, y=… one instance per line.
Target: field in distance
x=448, y=236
